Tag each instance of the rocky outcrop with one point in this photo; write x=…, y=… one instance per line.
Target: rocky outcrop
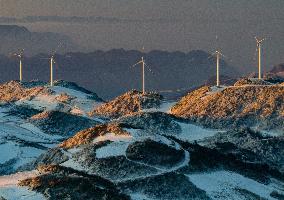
x=128, y=103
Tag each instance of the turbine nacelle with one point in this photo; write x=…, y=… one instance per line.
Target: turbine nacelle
x=259, y=40
x=20, y=54
x=218, y=53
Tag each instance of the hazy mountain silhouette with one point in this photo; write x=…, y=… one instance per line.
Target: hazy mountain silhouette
x=15, y=37
x=110, y=73
x=278, y=69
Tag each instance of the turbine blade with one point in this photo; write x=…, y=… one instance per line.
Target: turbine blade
x=56, y=49
x=262, y=40
x=223, y=55
x=149, y=68
x=56, y=64
x=136, y=64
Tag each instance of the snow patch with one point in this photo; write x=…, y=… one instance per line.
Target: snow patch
x=112, y=137
x=13, y=180
x=8, y=151
x=112, y=149
x=80, y=104
x=164, y=107
x=223, y=185
x=73, y=164
x=139, y=196
x=40, y=102
x=20, y=193
x=191, y=132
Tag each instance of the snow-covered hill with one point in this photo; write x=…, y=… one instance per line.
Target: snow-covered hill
x=155, y=155
x=139, y=151
x=35, y=117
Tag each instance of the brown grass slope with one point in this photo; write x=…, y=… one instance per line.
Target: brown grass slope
x=88, y=135
x=248, y=104
x=13, y=91
x=128, y=103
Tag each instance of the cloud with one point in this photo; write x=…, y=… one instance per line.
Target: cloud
x=82, y=19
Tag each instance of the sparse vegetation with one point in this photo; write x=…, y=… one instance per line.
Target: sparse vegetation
x=88, y=135
x=57, y=182
x=128, y=103
x=249, y=105
x=14, y=91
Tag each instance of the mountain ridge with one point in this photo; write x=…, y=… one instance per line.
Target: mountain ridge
x=109, y=73
x=16, y=37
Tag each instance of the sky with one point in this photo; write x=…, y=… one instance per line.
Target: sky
x=172, y=25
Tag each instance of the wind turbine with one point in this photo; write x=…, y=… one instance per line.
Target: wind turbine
x=218, y=55
x=143, y=64
x=52, y=61
x=20, y=56
x=142, y=61
x=258, y=46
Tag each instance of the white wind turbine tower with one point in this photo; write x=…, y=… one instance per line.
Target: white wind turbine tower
x=258, y=44
x=52, y=61
x=20, y=56
x=143, y=64
x=218, y=56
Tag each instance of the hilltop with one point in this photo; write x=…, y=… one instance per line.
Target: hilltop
x=128, y=103
x=248, y=103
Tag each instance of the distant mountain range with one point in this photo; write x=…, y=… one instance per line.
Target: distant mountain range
x=278, y=70
x=15, y=37
x=109, y=73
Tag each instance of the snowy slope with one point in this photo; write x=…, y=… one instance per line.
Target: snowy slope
x=10, y=190
x=228, y=185
x=79, y=103
x=191, y=132
x=19, y=193
x=147, y=154
x=21, y=142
